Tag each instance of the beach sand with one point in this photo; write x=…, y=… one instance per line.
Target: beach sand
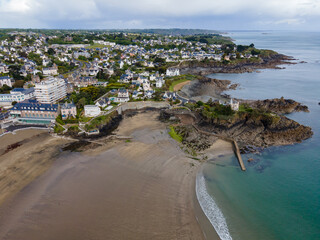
x=138, y=189
x=180, y=85
x=24, y=156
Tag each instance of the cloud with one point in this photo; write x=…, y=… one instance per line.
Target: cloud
x=148, y=13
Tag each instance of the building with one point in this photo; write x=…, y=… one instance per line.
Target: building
x=123, y=95
x=171, y=72
x=50, y=71
x=68, y=110
x=234, y=105
x=5, y=81
x=16, y=95
x=33, y=112
x=91, y=110
x=3, y=68
x=169, y=95
x=159, y=82
x=51, y=90
x=103, y=102
x=83, y=54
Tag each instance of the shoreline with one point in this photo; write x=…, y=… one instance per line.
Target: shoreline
x=219, y=148
x=169, y=192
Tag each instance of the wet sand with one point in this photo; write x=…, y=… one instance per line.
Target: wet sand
x=24, y=156
x=138, y=189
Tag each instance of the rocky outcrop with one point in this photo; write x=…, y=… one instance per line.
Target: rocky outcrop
x=279, y=105
x=258, y=131
x=194, y=140
x=241, y=66
x=253, y=132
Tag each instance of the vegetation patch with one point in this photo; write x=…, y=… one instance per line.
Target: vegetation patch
x=175, y=135
x=58, y=129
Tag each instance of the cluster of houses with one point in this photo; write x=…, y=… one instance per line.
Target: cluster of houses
x=37, y=100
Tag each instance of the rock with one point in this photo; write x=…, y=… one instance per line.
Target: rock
x=279, y=105
x=250, y=160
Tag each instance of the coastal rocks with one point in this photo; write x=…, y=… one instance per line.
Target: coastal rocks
x=252, y=132
x=241, y=66
x=259, y=132
x=279, y=105
x=208, y=86
x=192, y=139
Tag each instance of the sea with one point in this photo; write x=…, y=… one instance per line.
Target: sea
x=278, y=197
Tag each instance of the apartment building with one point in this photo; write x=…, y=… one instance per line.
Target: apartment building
x=50, y=90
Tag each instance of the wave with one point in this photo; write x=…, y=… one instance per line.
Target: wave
x=211, y=210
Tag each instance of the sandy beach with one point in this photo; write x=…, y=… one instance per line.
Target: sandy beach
x=24, y=156
x=143, y=188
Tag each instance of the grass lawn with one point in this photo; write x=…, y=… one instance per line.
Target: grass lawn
x=96, y=45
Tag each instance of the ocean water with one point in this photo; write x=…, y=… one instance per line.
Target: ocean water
x=278, y=197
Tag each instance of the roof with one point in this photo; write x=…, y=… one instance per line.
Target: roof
x=35, y=106
x=91, y=106
x=5, y=77
x=23, y=90
x=68, y=106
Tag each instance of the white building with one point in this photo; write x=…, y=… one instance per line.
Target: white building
x=159, y=82
x=84, y=54
x=51, y=90
x=5, y=81
x=123, y=95
x=3, y=68
x=50, y=71
x=171, y=72
x=91, y=110
x=234, y=105
x=16, y=95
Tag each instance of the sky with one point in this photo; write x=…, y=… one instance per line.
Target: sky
x=202, y=14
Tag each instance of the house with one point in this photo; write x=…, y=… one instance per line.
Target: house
x=136, y=94
x=149, y=93
x=171, y=72
x=50, y=70
x=123, y=95
x=68, y=110
x=234, y=105
x=3, y=68
x=6, y=80
x=103, y=102
x=103, y=84
x=169, y=95
x=92, y=110
x=159, y=82
x=33, y=112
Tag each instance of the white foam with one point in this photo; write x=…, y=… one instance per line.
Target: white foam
x=211, y=209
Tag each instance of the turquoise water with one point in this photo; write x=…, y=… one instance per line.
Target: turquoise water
x=278, y=197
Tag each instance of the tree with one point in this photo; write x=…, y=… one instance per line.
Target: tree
x=81, y=103
x=14, y=71
x=102, y=75
x=51, y=51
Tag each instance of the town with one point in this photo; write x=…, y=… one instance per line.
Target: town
x=57, y=77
